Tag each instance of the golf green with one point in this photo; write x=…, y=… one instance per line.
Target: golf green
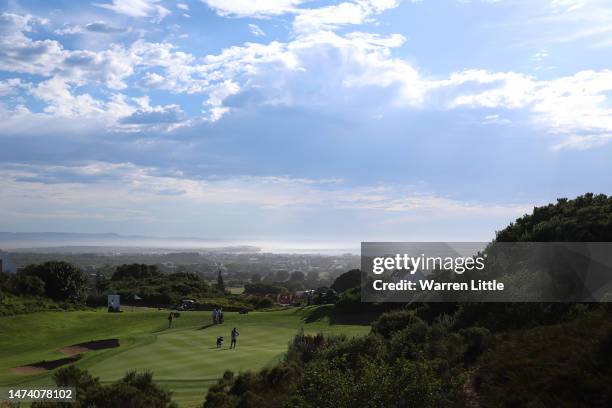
x=183, y=358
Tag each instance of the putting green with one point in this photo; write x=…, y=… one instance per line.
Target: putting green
x=184, y=358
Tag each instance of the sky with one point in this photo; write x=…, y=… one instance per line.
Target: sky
x=344, y=121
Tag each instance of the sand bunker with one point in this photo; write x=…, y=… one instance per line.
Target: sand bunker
x=42, y=366
x=73, y=351
x=88, y=346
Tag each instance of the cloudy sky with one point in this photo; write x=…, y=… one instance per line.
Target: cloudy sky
x=295, y=119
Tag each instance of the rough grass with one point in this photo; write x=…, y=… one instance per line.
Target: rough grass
x=12, y=305
x=183, y=358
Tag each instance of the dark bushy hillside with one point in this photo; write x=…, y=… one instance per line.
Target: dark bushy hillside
x=136, y=271
x=587, y=218
x=450, y=354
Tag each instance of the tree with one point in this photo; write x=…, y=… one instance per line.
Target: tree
x=270, y=277
x=347, y=281
x=281, y=275
x=587, y=218
x=101, y=282
x=297, y=276
x=63, y=281
x=220, y=284
x=255, y=278
x=312, y=276
x=29, y=285
x=135, y=271
x=262, y=289
x=324, y=296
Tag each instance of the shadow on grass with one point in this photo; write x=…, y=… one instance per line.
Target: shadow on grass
x=44, y=365
x=89, y=345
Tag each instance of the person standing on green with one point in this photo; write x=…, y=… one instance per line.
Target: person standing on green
x=170, y=317
x=235, y=335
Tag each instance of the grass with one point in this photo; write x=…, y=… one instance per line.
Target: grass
x=183, y=358
x=236, y=290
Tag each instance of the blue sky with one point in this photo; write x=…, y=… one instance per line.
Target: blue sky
x=292, y=119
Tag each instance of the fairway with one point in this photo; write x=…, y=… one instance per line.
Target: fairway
x=183, y=358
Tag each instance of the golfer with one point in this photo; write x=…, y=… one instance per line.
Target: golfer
x=235, y=335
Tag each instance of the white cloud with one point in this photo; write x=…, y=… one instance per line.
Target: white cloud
x=152, y=80
x=137, y=8
x=252, y=8
x=307, y=20
x=147, y=115
x=86, y=185
x=560, y=22
x=67, y=111
x=540, y=56
x=566, y=6
x=583, y=142
x=214, y=108
x=98, y=27
x=316, y=67
x=182, y=6
x=14, y=25
x=576, y=106
x=20, y=54
x=12, y=86
x=256, y=30
x=61, y=102
x=495, y=119
x=503, y=89
x=346, y=13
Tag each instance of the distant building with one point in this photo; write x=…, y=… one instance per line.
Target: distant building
x=6, y=265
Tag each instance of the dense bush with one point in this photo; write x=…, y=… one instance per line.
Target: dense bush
x=321, y=371
x=323, y=296
x=135, y=271
x=62, y=281
x=565, y=364
x=263, y=289
x=259, y=302
x=347, y=280
x=393, y=321
x=157, y=289
x=587, y=218
x=29, y=285
x=350, y=302
x=134, y=390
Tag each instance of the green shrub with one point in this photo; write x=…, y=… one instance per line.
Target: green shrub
x=29, y=285
x=63, y=281
x=393, y=321
x=134, y=390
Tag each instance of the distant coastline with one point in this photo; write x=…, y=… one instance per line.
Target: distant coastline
x=111, y=242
